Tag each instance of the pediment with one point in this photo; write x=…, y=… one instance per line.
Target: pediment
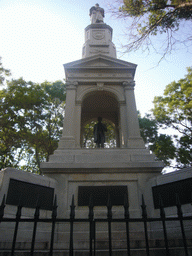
x=100, y=61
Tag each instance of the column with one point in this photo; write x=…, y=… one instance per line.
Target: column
x=134, y=139
x=78, y=125
x=123, y=126
x=68, y=136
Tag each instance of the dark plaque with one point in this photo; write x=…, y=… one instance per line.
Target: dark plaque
x=100, y=195
x=183, y=188
x=27, y=194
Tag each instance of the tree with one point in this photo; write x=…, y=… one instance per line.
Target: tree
x=31, y=118
x=152, y=17
x=174, y=110
x=160, y=144
x=3, y=73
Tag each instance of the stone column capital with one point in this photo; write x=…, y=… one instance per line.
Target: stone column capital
x=129, y=85
x=71, y=85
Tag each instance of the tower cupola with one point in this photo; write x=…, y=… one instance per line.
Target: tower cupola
x=98, y=35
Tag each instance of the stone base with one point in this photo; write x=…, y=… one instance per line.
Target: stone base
x=64, y=159
x=135, y=143
x=69, y=181
x=73, y=168
x=67, y=142
x=157, y=247
x=66, y=184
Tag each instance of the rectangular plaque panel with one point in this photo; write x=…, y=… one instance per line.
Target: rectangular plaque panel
x=168, y=193
x=100, y=195
x=28, y=194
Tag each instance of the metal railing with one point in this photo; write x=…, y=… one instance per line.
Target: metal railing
x=92, y=225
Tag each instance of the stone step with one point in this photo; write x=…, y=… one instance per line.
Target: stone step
x=157, y=248
x=134, y=252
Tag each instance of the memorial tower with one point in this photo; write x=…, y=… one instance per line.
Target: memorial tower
x=99, y=84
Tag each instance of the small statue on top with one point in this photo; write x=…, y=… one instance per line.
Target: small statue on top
x=96, y=14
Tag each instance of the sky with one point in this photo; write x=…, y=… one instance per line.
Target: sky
x=38, y=36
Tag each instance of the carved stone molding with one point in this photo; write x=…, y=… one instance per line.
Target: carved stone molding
x=98, y=34
x=129, y=85
x=100, y=86
x=89, y=89
x=71, y=85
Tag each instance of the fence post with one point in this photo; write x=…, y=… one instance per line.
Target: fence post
x=162, y=214
x=91, y=226
x=144, y=215
x=126, y=215
x=72, y=216
x=2, y=207
x=54, y=216
x=36, y=218
x=180, y=216
x=18, y=217
x=109, y=218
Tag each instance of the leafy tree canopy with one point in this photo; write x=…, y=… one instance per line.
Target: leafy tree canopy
x=160, y=144
x=174, y=110
x=31, y=119
x=152, y=17
x=3, y=73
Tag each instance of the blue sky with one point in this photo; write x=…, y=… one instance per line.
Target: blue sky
x=39, y=36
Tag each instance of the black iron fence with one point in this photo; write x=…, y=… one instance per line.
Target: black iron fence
x=92, y=225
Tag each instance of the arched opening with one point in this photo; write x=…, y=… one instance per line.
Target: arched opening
x=104, y=104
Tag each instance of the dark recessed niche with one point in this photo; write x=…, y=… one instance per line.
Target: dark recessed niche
x=100, y=195
x=183, y=188
x=27, y=194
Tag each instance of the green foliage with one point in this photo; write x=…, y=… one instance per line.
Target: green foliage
x=160, y=144
x=174, y=109
x=148, y=128
x=164, y=149
x=152, y=17
x=88, y=138
x=3, y=73
x=31, y=118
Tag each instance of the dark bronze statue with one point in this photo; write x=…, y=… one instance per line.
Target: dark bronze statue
x=99, y=133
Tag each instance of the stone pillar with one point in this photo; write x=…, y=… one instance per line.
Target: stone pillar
x=68, y=137
x=123, y=126
x=117, y=135
x=77, y=125
x=134, y=139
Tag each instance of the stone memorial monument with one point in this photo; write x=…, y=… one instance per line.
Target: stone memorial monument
x=100, y=85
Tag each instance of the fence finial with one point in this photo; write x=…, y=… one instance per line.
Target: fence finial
x=143, y=206
x=109, y=207
x=178, y=203
x=161, y=206
x=91, y=214
x=72, y=214
x=126, y=207
x=2, y=206
x=37, y=209
x=54, y=209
